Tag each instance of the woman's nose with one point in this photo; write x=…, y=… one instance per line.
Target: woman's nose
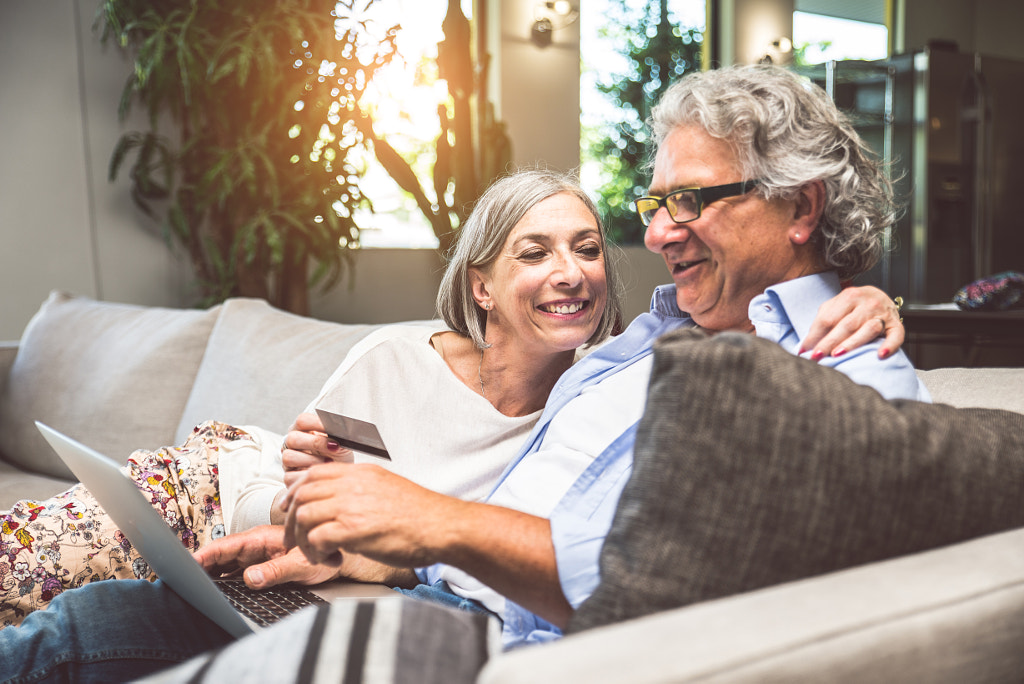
x=567, y=271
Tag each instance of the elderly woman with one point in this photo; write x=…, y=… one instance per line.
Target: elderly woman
x=529, y=268
x=531, y=292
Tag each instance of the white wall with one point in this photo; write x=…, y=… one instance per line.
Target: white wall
x=62, y=225
x=539, y=92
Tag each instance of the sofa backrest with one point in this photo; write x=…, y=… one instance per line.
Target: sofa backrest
x=262, y=366
x=121, y=377
x=114, y=376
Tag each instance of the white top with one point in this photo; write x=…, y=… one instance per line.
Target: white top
x=440, y=433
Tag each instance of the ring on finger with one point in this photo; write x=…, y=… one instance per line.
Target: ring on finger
x=882, y=321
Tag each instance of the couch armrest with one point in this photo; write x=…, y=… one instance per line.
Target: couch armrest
x=947, y=615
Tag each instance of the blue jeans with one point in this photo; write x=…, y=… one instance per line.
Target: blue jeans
x=109, y=631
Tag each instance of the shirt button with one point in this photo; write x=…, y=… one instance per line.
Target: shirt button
x=767, y=307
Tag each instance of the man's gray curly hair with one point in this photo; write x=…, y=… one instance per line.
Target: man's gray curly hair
x=787, y=132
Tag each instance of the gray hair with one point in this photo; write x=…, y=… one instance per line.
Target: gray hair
x=787, y=132
x=483, y=235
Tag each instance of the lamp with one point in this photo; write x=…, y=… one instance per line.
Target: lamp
x=548, y=17
x=782, y=47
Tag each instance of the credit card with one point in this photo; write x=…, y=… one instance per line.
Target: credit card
x=357, y=435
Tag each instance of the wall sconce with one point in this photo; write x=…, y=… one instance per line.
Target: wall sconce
x=781, y=47
x=548, y=17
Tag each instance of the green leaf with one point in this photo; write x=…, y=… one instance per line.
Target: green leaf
x=124, y=145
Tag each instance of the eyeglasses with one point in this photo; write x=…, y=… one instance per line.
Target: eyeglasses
x=685, y=205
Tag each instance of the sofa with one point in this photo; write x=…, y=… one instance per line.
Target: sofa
x=121, y=377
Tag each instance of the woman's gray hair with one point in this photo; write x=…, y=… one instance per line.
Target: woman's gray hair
x=483, y=235
x=787, y=132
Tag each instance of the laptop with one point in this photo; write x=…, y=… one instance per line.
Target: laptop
x=236, y=608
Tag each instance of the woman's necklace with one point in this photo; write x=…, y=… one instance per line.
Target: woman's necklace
x=480, y=374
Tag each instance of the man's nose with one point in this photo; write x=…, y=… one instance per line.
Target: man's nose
x=663, y=231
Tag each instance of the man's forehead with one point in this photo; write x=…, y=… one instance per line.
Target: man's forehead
x=686, y=160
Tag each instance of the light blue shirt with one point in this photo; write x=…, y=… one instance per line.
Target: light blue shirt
x=581, y=512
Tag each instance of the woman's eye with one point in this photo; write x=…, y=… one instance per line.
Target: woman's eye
x=590, y=251
x=532, y=255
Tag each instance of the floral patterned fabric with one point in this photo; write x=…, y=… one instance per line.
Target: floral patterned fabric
x=47, y=547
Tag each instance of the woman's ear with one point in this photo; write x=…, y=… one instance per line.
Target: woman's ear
x=810, y=203
x=478, y=286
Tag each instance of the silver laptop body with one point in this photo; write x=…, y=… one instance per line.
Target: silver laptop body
x=148, y=532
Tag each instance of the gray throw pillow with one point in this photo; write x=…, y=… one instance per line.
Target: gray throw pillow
x=754, y=467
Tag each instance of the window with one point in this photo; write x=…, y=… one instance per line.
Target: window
x=631, y=50
x=825, y=30
x=402, y=100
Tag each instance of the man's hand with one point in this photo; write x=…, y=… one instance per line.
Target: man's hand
x=365, y=509
x=854, y=317
x=264, y=559
x=307, y=445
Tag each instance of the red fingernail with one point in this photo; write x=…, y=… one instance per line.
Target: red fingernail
x=883, y=353
x=838, y=352
x=817, y=355
x=333, y=446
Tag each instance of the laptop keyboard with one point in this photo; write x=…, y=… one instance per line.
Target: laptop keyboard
x=267, y=605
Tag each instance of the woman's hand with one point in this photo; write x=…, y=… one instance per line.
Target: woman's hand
x=854, y=317
x=306, y=445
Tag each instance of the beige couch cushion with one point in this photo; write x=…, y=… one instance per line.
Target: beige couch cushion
x=114, y=376
x=16, y=484
x=950, y=615
x=263, y=366
x=1001, y=388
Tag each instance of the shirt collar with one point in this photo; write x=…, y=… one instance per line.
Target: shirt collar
x=663, y=302
x=797, y=299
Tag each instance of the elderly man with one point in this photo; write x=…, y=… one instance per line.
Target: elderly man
x=762, y=201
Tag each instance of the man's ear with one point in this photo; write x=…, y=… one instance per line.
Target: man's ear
x=479, y=286
x=810, y=203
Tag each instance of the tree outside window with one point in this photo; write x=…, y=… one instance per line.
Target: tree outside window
x=631, y=51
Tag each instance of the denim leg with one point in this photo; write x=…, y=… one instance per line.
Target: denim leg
x=106, y=632
x=440, y=592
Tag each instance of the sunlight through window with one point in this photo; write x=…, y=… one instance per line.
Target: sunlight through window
x=403, y=100
x=823, y=38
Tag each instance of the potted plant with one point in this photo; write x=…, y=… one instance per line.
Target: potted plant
x=256, y=180
x=251, y=110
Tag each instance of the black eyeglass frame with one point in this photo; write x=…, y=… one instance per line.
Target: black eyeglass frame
x=703, y=196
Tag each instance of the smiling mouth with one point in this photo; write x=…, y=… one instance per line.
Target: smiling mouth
x=564, y=309
x=685, y=265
